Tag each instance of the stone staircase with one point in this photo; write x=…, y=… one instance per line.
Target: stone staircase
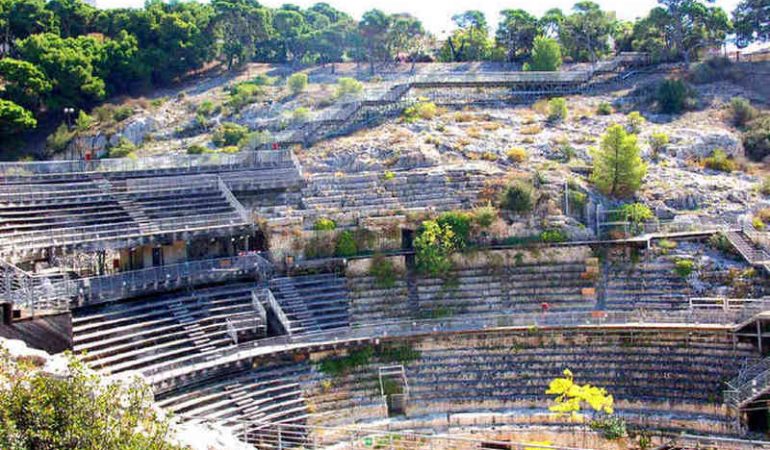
x=751, y=384
x=750, y=252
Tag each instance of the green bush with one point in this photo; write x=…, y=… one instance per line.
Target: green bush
x=297, y=82
x=719, y=161
x=244, y=93
x=553, y=236
x=672, y=96
x=557, y=109
x=121, y=113
x=300, y=114
x=721, y=242
x=741, y=111
x=324, y=224
x=484, y=216
x=228, y=134
x=197, y=149
x=433, y=246
x=518, y=197
x=658, y=141
x=711, y=70
x=684, y=267
x=604, y=109
x=756, y=138
x=546, y=55
x=611, y=427
x=460, y=223
x=84, y=121
x=635, y=120
x=420, y=110
x=347, y=86
x=39, y=410
x=346, y=245
x=207, y=108
x=263, y=80
x=59, y=139
x=339, y=366
x=636, y=212
x=123, y=149
x=383, y=271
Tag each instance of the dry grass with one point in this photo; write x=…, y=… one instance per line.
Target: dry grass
x=541, y=107
x=531, y=130
x=475, y=132
x=491, y=126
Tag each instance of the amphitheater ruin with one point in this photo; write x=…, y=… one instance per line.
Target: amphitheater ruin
x=208, y=275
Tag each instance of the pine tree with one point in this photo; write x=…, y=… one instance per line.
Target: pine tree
x=618, y=167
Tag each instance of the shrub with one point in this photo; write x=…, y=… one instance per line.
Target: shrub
x=123, y=149
x=758, y=224
x=347, y=86
x=636, y=212
x=764, y=188
x=207, y=108
x=83, y=122
x=228, y=133
x=324, y=224
x=263, y=80
x=741, y=111
x=567, y=153
x=618, y=169
x=658, y=141
x=604, y=109
x=346, y=245
x=684, y=267
x=518, y=197
x=484, y=216
x=460, y=224
x=196, y=149
x=383, y=271
x=721, y=242
x=516, y=155
x=242, y=94
x=711, y=70
x=756, y=138
x=388, y=175
x=79, y=410
x=611, y=427
x=255, y=140
x=433, y=246
x=121, y=113
x=59, y=139
x=300, y=114
x=667, y=244
x=672, y=96
x=546, y=55
x=553, y=236
x=297, y=82
x=557, y=109
x=339, y=366
x=719, y=161
x=635, y=120
x=420, y=110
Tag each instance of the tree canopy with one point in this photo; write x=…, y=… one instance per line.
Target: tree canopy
x=618, y=168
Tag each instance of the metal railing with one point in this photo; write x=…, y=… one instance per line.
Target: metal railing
x=190, y=163
x=237, y=205
x=724, y=303
x=530, y=321
x=106, y=288
x=748, y=385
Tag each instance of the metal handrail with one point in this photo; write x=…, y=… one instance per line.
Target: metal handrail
x=113, y=287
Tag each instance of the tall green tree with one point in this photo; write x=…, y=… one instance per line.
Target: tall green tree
x=585, y=34
x=373, y=27
x=73, y=17
x=618, y=168
x=470, y=41
x=23, y=83
x=241, y=25
x=22, y=18
x=693, y=25
x=70, y=64
x=516, y=33
x=752, y=20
